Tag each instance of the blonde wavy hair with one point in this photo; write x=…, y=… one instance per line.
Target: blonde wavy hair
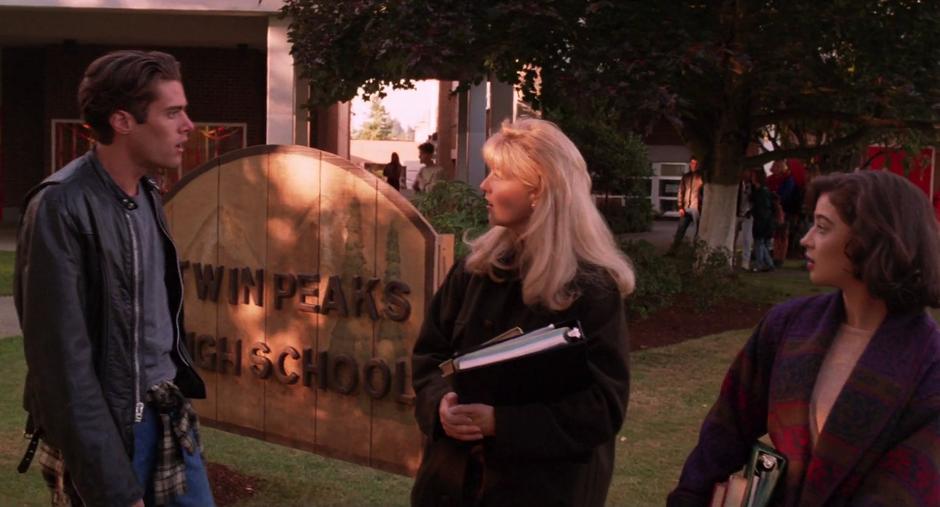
x=565, y=228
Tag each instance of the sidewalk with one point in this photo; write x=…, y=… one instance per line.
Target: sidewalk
x=660, y=234
x=7, y=237
x=9, y=325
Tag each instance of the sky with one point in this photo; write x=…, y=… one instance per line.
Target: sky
x=409, y=107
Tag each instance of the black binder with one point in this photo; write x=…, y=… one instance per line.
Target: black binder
x=537, y=377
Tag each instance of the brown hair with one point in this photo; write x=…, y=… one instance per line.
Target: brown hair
x=122, y=80
x=895, y=244
x=426, y=148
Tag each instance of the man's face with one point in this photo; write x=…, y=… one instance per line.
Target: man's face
x=424, y=157
x=693, y=165
x=158, y=142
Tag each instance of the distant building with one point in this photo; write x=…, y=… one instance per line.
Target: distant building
x=235, y=60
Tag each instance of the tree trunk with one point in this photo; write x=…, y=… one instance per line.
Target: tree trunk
x=719, y=206
x=719, y=216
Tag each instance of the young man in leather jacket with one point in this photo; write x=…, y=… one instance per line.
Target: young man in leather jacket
x=99, y=296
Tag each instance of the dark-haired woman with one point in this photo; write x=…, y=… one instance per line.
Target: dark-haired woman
x=393, y=172
x=762, y=208
x=846, y=384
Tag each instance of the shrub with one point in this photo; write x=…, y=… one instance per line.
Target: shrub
x=636, y=216
x=657, y=279
x=454, y=207
x=694, y=273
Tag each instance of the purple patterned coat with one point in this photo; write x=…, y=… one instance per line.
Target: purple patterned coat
x=881, y=443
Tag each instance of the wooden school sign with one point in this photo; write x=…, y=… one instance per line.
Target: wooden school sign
x=306, y=280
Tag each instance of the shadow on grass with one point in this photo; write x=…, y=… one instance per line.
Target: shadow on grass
x=789, y=281
x=672, y=389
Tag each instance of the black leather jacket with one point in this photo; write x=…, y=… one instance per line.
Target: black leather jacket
x=76, y=289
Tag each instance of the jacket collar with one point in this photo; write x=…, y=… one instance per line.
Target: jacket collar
x=123, y=199
x=877, y=389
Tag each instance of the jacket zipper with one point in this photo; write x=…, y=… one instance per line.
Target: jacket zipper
x=138, y=404
x=179, y=304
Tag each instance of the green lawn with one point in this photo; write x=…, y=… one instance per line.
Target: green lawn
x=6, y=273
x=783, y=283
x=672, y=390
x=666, y=407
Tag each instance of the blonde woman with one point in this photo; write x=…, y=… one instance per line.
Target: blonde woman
x=548, y=257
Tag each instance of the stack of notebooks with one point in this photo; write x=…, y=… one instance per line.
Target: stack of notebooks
x=518, y=368
x=754, y=487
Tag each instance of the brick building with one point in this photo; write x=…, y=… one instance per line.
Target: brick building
x=240, y=82
x=235, y=60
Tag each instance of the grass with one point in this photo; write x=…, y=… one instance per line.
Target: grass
x=789, y=281
x=666, y=407
x=290, y=477
x=6, y=273
x=672, y=389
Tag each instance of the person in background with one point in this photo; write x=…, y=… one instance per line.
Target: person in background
x=393, y=172
x=547, y=258
x=689, y=202
x=430, y=173
x=99, y=297
x=762, y=209
x=745, y=218
x=782, y=184
x=846, y=384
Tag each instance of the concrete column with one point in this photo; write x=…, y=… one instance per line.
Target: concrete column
x=280, y=85
x=330, y=129
x=463, y=104
x=301, y=114
x=476, y=134
x=502, y=104
x=445, y=127
x=343, y=114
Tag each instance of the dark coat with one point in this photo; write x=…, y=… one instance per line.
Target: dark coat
x=392, y=174
x=76, y=298
x=560, y=453
x=762, y=209
x=881, y=443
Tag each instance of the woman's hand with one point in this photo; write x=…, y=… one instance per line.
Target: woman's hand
x=466, y=422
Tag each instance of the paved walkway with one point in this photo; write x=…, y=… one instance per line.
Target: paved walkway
x=660, y=234
x=9, y=325
x=7, y=237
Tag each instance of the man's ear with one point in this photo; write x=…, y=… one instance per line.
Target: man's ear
x=122, y=122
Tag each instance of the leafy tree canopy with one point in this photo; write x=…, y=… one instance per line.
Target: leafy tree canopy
x=380, y=125
x=376, y=43
x=815, y=77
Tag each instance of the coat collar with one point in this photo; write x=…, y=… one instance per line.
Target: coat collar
x=147, y=184
x=875, y=392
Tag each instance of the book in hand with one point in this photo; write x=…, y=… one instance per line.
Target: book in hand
x=755, y=485
x=517, y=368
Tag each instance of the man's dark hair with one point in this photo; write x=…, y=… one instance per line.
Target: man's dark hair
x=895, y=243
x=122, y=80
x=426, y=148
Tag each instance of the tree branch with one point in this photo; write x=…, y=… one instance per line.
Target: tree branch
x=810, y=151
x=859, y=119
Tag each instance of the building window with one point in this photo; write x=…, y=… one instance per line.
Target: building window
x=665, y=191
x=72, y=138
